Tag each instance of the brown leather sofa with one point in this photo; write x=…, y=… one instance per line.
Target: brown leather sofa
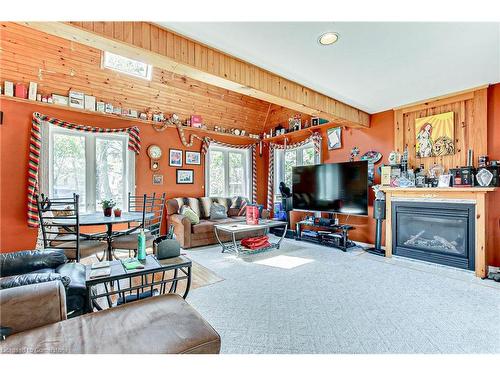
x=166, y=324
x=202, y=234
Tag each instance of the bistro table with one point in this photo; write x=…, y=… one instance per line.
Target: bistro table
x=98, y=218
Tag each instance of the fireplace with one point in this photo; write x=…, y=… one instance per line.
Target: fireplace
x=438, y=232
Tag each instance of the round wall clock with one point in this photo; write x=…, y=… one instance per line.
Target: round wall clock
x=154, y=153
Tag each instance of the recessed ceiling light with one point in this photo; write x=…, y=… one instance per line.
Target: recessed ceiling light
x=328, y=38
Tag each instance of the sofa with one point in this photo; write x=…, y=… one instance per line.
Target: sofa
x=33, y=267
x=202, y=234
x=35, y=318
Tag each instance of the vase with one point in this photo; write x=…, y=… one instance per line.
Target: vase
x=108, y=211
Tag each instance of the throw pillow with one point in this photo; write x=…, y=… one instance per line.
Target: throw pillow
x=217, y=211
x=190, y=214
x=243, y=208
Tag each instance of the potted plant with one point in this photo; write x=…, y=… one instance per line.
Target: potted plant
x=118, y=212
x=107, y=206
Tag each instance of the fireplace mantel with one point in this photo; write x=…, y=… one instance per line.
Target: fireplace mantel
x=476, y=195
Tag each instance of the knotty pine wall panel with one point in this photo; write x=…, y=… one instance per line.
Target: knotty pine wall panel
x=58, y=65
x=159, y=40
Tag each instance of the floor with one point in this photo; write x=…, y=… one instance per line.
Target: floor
x=305, y=298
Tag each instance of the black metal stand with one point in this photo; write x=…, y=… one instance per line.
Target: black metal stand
x=343, y=230
x=377, y=250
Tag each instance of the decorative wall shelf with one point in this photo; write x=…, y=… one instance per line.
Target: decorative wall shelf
x=118, y=117
x=297, y=133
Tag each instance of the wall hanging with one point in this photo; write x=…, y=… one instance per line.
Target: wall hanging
x=434, y=135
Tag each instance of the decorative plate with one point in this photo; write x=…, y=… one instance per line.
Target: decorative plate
x=372, y=156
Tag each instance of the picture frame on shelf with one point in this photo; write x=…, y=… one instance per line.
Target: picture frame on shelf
x=193, y=158
x=101, y=107
x=444, y=180
x=184, y=176
x=32, y=91
x=77, y=99
x=314, y=121
x=8, y=88
x=60, y=99
x=175, y=158
x=90, y=103
x=157, y=179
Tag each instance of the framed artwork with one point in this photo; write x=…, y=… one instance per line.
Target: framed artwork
x=334, y=136
x=434, y=135
x=185, y=176
x=60, y=99
x=314, y=121
x=193, y=158
x=157, y=179
x=77, y=99
x=175, y=158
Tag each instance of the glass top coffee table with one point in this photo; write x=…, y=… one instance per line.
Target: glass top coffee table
x=235, y=246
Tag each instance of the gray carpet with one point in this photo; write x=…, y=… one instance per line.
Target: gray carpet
x=345, y=303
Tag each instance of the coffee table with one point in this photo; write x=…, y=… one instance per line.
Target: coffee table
x=234, y=246
x=131, y=285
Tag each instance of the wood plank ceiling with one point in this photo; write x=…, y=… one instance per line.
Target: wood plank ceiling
x=59, y=65
x=172, y=52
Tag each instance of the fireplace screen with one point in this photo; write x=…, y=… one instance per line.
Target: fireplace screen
x=435, y=232
x=447, y=235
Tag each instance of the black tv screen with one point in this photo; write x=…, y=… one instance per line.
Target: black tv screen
x=336, y=187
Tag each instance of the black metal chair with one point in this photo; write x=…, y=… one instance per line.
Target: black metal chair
x=152, y=225
x=60, y=224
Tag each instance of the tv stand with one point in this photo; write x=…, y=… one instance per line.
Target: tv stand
x=328, y=235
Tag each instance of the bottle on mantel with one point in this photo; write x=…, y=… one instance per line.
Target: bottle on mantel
x=420, y=176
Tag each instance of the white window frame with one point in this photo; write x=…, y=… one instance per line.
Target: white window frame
x=46, y=176
x=279, y=164
x=247, y=169
x=149, y=69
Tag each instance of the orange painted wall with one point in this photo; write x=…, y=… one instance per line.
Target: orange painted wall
x=14, y=138
x=379, y=137
x=493, y=230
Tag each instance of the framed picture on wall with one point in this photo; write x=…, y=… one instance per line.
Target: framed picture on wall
x=175, y=158
x=193, y=158
x=185, y=176
x=334, y=138
x=157, y=179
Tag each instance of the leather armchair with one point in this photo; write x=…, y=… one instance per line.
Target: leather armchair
x=34, y=267
x=35, y=318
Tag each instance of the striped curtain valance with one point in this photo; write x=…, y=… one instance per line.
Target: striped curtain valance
x=315, y=138
x=134, y=144
x=208, y=141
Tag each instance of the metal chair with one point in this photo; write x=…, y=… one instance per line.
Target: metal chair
x=60, y=224
x=152, y=226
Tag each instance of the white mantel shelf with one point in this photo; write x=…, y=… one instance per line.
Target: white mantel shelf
x=477, y=195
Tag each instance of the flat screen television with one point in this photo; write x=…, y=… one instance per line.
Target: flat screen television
x=335, y=187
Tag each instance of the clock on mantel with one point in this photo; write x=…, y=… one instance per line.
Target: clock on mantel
x=154, y=153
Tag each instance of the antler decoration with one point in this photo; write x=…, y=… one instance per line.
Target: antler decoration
x=174, y=120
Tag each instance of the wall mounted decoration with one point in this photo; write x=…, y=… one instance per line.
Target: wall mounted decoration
x=175, y=158
x=193, y=158
x=154, y=153
x=185, y=176
x=334, y=138
x=354, y=153
x=434, y=135
x=157, y=179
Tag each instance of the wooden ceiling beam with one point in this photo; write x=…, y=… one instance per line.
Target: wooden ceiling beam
x=164, y=49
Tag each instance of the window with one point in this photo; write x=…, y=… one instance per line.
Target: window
x=228, y=172
x=128, y=66
x=95, y=166
x=284, y=161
